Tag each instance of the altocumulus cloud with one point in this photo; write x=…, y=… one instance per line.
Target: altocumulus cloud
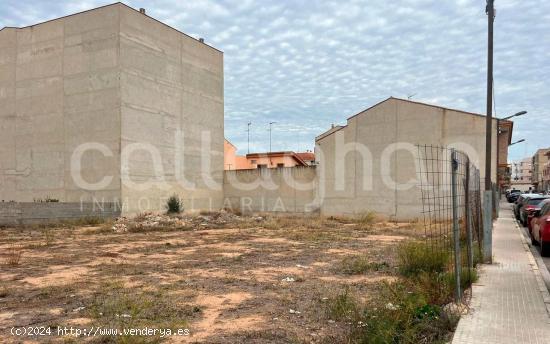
x=306, y=64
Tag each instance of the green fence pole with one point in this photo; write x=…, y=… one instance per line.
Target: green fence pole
x=456, y=229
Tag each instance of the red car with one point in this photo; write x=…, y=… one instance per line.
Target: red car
x=540, y=232
x=532, y=214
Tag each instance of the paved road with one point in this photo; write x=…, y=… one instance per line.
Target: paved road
x=508, y=302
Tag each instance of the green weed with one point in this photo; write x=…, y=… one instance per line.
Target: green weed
x=416, y=257
x=174, y=205
x=359, y=265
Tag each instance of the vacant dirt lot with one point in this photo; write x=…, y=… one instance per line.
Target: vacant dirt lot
x=226, y=278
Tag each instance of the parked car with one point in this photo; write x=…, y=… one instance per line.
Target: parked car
x=512, y=195
x=530, y=205
x=534, y=214
x=518, y=204
x=540, y=232
x=511, y=191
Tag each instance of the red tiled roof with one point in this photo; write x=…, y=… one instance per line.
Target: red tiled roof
x=306, y=156
x=278, y=154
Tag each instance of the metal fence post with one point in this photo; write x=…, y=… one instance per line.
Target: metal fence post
x=456, y=229
x=468, y=217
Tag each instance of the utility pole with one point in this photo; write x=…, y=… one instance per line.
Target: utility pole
x=488, y=206
x=248, y=132
x=270, y=128
x=489, y=120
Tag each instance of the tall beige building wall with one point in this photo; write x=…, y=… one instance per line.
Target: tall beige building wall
x=352, y=178
x=8, y=113
x=171, y=100
x=59, y=88
x=538, y=163
x=110, y=76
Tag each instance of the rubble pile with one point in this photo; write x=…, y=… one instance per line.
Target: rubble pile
x=153, y=221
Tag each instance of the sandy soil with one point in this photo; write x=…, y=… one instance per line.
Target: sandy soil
x=262, y=281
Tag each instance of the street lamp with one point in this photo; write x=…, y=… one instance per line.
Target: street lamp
x=248, y=136
x=518, y=141
x=517, y=114
x=521, y=113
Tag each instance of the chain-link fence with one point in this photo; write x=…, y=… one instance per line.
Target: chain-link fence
x=451, y=201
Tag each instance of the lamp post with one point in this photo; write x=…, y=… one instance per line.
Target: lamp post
x=488, y=194
x=517, y=114
x=270, y=129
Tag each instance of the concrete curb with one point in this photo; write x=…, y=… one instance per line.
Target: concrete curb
x=536, y=270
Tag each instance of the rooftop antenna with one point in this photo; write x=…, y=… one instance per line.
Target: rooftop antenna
x=409, y=97
x=248, y=131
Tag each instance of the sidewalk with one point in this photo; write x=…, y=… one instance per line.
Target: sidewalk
x=508, y=301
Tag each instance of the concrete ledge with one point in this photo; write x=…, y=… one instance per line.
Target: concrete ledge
x=21, y=213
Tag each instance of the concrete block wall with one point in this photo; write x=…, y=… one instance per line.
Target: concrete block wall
x=21, y=213
x=171, y=100
x=10, y=213
x=287, y=189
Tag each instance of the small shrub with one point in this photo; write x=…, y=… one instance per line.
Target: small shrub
x=366, y=220
x=403, y=316
x=435, y=287
x=342, y=307
x=472, y=276
x=14, y=254
x=174, y=205
x=49, y=237
x=467, y=278
x=359, y=265
x=415, y=257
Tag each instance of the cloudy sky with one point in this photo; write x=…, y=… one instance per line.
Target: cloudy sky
x=307, y=64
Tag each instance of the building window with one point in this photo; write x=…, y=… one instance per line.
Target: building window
x=262, y=165
x=253, y=161
x=280, y=165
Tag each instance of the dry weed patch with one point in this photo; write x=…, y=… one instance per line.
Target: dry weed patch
x=13, y=255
